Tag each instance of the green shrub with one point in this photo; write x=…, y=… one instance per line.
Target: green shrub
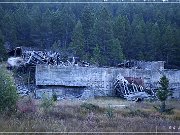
x=166, y=111
x=8, y=93
x=54, y=97
x=3, y=54
x=110, y=112
x=47, y=103
x=138, y=113
x=135, y=112
x=26, y=104
x=90, y=106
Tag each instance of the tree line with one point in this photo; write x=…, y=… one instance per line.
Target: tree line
x=104, y=34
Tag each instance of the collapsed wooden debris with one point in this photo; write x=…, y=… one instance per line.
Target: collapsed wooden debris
x=24, y=57
x=147, y=65
x=131, y=90
x=28, y=58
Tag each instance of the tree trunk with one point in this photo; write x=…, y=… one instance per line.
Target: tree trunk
x=163, y=106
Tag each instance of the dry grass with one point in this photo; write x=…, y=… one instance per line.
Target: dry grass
x=69, y=116
x=102, y=102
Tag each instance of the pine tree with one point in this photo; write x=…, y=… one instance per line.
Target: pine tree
x=122, y=32
x=104, y=35
x=56, y=46
x=168, y=40
x=62, y=24
x=156, y=41
x=163, y=92
x=175, y=56
x=23, y=28
x=96, y=55
x=36, y=20
x=3, y=54
x=87, y=19
x=119, y=29
x=45, y=29
x=1, y=16
x=9, y=27
x=56, y=26
x=67, y=25
x=78, y=40
x=117, y=52
x=138, y=38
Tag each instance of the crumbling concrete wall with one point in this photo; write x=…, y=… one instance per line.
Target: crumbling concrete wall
x=101, y=80
x=150, y=65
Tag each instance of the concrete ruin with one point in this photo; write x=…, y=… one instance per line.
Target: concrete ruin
x=97, y=81
x=77, y=79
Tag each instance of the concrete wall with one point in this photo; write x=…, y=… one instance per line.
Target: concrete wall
x=100, y=80
x=61, y=91
x=151, y=65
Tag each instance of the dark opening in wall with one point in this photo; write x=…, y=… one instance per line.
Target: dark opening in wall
x=17, y=52
x=62, y=92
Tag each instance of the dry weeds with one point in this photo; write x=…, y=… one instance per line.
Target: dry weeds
x=69, y=116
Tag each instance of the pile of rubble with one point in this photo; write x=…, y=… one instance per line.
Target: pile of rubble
x=22, y=89
x=131, y=91
x=28, y=58
x=23, y=57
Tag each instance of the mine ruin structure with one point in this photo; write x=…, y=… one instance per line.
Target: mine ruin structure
x=97, y=81
x=22, y=56
x=131, y=88
x=73, y=78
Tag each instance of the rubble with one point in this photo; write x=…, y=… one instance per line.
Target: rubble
x=130, y=89
x=147, y=65
x=21, y=56
x=22, y=89
x=14, y=62
x=137, y=96
x=29, y=58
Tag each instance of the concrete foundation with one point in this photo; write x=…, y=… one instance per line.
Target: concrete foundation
x=100, y=81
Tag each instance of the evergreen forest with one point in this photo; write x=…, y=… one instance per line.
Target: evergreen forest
x=103, y=34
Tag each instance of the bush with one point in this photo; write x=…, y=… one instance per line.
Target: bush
x=8, y=93
x=54, y=96
x=110, y=112
x=3, y=54
x=90, y=106
x=47, y=103
x=26, y=104
x=166, y=111
x=134, y=113
x=138, y=113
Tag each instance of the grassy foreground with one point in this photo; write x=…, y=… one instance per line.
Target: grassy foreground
x=97, y=115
